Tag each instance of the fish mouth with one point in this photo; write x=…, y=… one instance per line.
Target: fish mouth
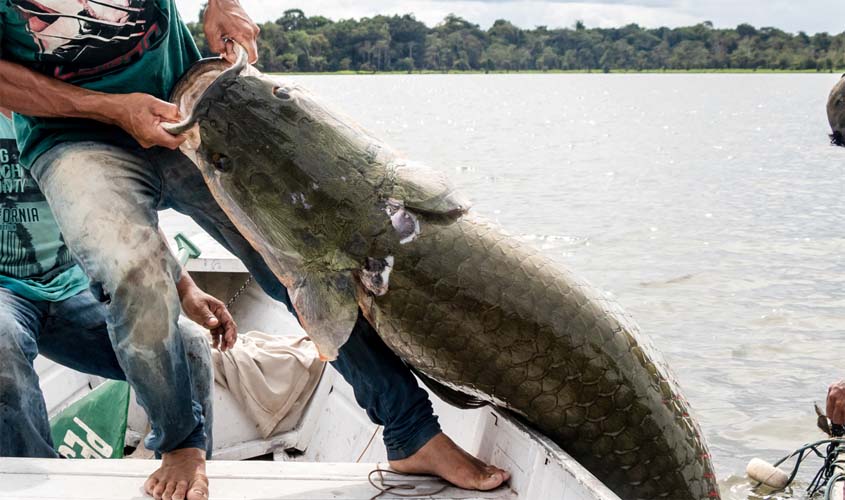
x=194, y=85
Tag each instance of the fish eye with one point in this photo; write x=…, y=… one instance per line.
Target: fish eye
x=281, y=93
x=221, y=162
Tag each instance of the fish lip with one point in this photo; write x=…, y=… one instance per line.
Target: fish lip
x=185, y=86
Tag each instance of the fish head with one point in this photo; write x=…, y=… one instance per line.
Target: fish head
x=271, y=150
x=282, y=122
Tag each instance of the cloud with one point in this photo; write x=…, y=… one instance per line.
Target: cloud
x=812, y=16
x=522, y=13
x=791, y=15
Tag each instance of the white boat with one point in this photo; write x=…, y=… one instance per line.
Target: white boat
x=328, y=452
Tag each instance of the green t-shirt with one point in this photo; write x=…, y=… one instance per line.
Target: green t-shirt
x=34, y=260
x=112, y=46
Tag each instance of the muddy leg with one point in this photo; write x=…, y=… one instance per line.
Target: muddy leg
x=105, y=201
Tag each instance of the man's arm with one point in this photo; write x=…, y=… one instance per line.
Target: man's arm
x=30, y=93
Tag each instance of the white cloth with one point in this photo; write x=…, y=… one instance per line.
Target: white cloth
x=271, y=376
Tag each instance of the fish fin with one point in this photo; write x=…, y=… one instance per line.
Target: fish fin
x=454, y=397
x=427, y=191
x=327, y=308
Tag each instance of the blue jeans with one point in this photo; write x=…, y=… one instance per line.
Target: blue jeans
x=73, y=333
x=106, y=200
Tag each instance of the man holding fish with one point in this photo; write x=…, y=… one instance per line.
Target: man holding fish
x=88, y=82
x=47, y=307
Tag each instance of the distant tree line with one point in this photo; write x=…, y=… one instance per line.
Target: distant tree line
x=296, y=42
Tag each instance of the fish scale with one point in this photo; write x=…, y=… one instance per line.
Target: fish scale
x=585, y=331
x=478, y=313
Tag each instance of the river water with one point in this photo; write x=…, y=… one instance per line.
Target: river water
x=710, y=206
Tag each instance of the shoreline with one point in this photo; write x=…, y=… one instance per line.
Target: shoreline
x=564, y=72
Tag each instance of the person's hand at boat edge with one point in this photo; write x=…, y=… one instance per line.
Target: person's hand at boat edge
x=836, y=402
x=208, y=312
x=226, y=20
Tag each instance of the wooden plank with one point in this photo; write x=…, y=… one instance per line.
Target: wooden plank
x=22, y=479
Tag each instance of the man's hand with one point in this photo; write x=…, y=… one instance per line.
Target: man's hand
x=141, y=115
x=836, y=403
x=30, y=93
x=207, y=311
x=226, y=19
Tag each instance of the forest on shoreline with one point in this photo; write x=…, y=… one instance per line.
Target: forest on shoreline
x=296, y=42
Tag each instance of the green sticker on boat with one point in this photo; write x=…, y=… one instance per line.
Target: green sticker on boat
x=94, y=426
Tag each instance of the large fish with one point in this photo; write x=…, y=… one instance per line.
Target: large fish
x=347, y=224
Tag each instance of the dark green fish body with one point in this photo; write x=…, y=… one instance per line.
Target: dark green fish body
x=345, y=224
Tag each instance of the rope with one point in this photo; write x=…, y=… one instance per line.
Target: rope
x=833, y=480
x=384, y=487
x=369, y=443
x=829, y=473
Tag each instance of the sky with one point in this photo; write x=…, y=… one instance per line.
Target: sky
x=811, y=16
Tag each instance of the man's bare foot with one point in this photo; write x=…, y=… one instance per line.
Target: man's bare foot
x=442, y=457
x=181, y=476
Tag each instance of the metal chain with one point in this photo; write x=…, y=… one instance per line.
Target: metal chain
x=240, y=291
